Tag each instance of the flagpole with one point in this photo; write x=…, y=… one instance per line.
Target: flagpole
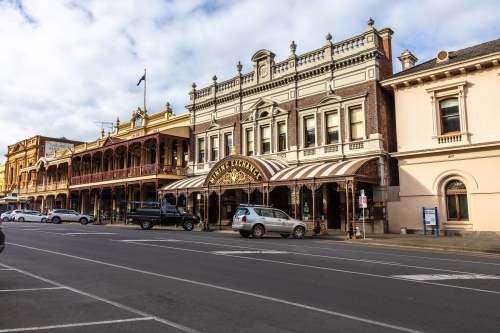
x=145, y=90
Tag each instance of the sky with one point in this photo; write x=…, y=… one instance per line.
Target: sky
x=66, y=65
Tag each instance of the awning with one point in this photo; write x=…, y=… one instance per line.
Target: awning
x=320, y=170
x=184, y=183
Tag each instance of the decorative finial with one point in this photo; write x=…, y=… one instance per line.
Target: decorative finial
x=239, y=66
x=117, y=121
x=370, y=22
x=214, y=78
x=193, y=85
x=168, y=107
x=328, y=37
x=293, y=47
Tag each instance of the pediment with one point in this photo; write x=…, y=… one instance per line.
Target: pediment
x=263, y=103
x=16, y=148
x=332, y=98
x=262, y=54
x=212, y=126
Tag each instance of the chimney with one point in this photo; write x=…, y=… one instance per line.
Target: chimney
x=407, y=59
x=386, y=37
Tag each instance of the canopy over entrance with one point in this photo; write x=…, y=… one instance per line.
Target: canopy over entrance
x=245, y=170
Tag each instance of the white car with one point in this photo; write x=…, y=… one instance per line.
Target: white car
x=5, y=216
x=30, y=217
x=14, y=213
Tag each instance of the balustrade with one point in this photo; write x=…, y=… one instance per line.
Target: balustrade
x=310, y=57
x=348, y=45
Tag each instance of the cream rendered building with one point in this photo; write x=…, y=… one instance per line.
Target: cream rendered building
x=447, y=115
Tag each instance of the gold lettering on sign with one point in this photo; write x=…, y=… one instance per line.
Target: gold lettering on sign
x=234, y=175
x=136, y=135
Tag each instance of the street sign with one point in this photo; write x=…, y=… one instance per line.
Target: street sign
x=363, y=202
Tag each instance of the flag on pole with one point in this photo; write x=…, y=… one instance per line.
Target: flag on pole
x=142, y=78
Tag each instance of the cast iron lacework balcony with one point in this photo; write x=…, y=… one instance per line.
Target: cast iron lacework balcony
x=145, y=170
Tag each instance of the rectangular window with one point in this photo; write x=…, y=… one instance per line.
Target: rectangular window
x=249, y=142
x=332, y=128
x=201, y=151
x=310, y=134
x=450, y=118
x=214, y=141
x=228, y=143
x=281, y=137
x=266, y=139
x=356, y=118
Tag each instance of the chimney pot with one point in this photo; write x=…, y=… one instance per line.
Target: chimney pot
x=407, y=59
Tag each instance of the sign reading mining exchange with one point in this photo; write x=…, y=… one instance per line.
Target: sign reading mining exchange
x=235, y=171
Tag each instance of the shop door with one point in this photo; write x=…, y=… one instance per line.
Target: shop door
x=334, y=211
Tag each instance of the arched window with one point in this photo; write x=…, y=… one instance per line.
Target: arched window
x=456, y=201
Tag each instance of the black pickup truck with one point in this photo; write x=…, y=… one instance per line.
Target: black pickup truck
x=166, y=215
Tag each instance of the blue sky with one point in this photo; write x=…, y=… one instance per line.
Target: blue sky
x=68, y=64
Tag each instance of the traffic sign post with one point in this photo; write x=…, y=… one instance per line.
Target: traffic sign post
x=363, y=203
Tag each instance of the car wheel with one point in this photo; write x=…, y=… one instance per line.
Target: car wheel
x=56, y=220
x=21, y=219
x=146, y=224
x=188, y=225
x=5, y=219
x=44, y=220
x=244, y=234
x=84, y=221
x=258, y=231
x=285, y=235
x=298, y=232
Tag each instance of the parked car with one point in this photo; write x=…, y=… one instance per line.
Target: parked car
x=5, y=216
x=257, y=220
x=14, y=212
x=166, y=215
x=67, y=215
x=30, y=217
x=2, y=238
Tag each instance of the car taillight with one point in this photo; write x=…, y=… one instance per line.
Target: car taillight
x=244, y=218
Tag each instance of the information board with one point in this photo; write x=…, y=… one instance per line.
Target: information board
x=324, y=230
x=430, y=216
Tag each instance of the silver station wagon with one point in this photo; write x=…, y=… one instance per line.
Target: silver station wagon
x=257, y=220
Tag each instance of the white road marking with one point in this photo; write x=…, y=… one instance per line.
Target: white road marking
x=74, y=325
x=121, y=306
x=338, y=314
x=87, y=233
x=436, y=277
x=146, y=240
x=307, y=255
x=5, y=269
x=31, y=289
x=244, y=252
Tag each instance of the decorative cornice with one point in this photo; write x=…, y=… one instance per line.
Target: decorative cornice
x=491, y=144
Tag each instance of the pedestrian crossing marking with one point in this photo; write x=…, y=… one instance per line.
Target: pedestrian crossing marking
x=437, y=277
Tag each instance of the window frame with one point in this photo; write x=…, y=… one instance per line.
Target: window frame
x=456, y=193
x=201, y=159
x=228, y=148
x=350, y=122
x=268, y=139
x=306, y=131
x=326, y=135
x=280, y=147
x=214, y=152
x=247, y=151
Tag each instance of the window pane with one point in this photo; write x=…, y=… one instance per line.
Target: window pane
x=356, y=115
x=310, y=138
x=451, y=124
x=332, y=120
x=202, y=144
x=310, y=123
x=215, y=142
x=452, y=207
x=282, y=142
x=333, y=136
x=464, y=209
x=357, y=131
x=266, y=147
x=451, y=102
x=266, y=132
x=281, y=128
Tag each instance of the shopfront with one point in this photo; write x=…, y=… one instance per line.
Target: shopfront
x=315, y=192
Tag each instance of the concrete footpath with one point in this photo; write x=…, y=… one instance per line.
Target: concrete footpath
x=451, y=243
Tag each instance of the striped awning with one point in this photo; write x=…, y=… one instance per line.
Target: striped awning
x=320, y=170
x=182, y=184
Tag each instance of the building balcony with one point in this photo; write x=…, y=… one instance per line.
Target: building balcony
x=40, y=188
x=144, y=170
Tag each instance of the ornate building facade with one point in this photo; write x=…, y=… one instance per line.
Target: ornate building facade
x=307, y=134
x=448, y=142
x=129, y=164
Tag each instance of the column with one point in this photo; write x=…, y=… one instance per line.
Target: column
x=180, y=154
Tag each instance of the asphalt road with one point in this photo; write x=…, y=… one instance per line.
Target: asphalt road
x=74, y=278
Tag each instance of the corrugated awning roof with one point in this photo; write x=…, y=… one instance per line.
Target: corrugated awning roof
x=320, y=170
x=192, y=182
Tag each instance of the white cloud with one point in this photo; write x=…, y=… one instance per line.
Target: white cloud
x=67, y=64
